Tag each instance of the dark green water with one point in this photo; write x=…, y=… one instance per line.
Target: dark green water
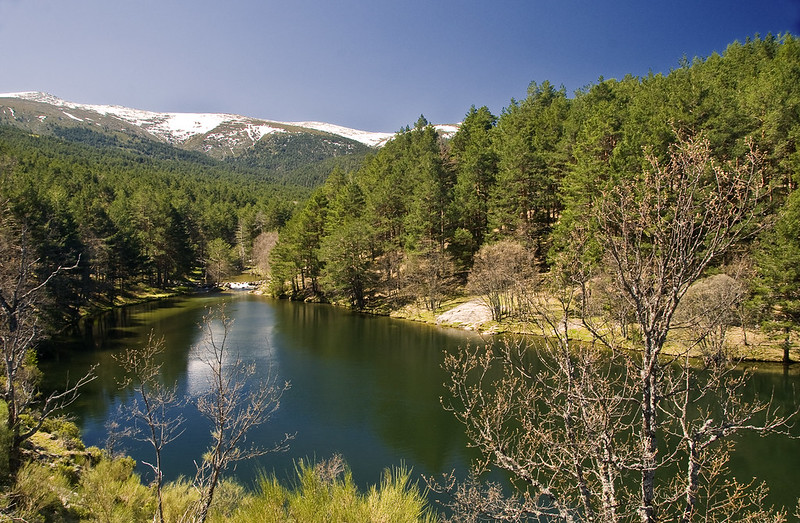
x=365, y=387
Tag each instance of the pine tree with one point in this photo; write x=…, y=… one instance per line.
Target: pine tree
x=532, y=161
x=778, y=284
x=475, y=162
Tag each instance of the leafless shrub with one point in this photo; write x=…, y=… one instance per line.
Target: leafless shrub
x=503, y=275
x=262, y=248
x=152, y=407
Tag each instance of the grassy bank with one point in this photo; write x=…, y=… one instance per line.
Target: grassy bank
x=747, y=344
x=140, y=293
x=61, y=481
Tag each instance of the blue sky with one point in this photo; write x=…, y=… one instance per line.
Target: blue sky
x=369, y=64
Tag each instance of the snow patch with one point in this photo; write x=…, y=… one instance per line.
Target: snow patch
x=257, y=132
x=72, y=116
x=35, y=96
x=366, y=137
x=180, y=127
x=447, y=130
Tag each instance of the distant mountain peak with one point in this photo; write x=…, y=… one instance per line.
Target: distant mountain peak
x=178, y=128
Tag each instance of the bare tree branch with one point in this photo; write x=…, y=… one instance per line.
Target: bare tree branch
x=234, y=405
x=152, y=407
x=593, y=430
x=21, y=294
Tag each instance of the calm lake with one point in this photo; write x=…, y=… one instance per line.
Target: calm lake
x=362, y=386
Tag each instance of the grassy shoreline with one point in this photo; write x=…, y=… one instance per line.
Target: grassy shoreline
x=749, y=346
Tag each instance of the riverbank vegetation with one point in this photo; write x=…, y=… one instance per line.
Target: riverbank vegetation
x=79, y=484
x=409, y=224
x=135, y=224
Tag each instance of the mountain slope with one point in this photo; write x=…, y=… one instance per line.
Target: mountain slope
x=292, y=152
x=207, y=131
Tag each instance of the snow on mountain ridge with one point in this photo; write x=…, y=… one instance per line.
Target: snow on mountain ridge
x=177, y=128
x=366, y=137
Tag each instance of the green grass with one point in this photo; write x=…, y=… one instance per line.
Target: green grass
x=110, y=491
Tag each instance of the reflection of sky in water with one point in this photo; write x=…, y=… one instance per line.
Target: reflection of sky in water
x=249, y=339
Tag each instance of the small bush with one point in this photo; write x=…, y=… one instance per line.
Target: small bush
x=179, y=499
x=5, y=442
x=65, y=430
x=39, y=494
x=111, y=492
x=325, y=492
x=398, y=499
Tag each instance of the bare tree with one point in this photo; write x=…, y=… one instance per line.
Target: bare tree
x=659, y=235
x=234, y=405
x=558, y=420
x=153, y=406
x=430, y=275
x=580, y=430
x=710, y=308
x=262, y=248
x=501, y=275
x=22, y=292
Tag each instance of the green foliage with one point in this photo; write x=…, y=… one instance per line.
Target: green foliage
x=180, y=498
x=475, y=161
x=297, y=257
x=533, y=174
x=347, y=256
x=532, y=159
x=130, y=216
x=135, y=210
x=398, y=499
x=65, y=430
x=778, y=283
x=6, y=438
x=325, y=492
x=220, y=261
x=37, y=495
x=303, y=159
x=111, y=492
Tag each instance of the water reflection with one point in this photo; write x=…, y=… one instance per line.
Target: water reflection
x=366, y=387
x=362, y=386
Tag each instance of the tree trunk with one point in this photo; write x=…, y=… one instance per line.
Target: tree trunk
x=787, y=344
x=693, y=473
x=649, y=435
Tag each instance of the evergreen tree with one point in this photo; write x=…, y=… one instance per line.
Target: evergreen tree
x=532, y=161
x=429, y=207
x=475, y=162
x=297, y=253
x=220, y=260
x=347, y=254
x=778, y=284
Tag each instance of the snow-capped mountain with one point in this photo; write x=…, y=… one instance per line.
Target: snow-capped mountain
x=216, y=134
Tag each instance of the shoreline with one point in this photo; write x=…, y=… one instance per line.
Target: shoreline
x=465, y=313
x=462, y=313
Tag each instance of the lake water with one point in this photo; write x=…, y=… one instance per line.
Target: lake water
x=362, y=386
